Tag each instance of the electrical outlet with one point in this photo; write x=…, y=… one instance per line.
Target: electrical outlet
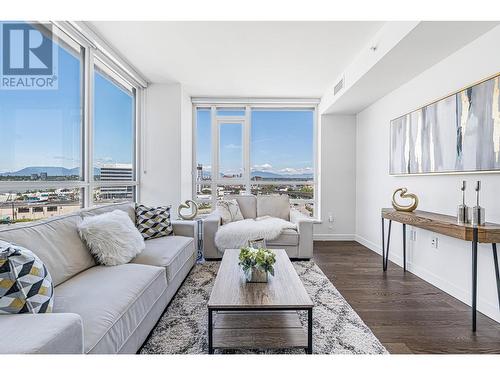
x=330, y=220
x=434, y=242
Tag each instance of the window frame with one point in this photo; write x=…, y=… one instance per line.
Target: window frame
x=259, y=104
x=103, y=67
x=93, y=52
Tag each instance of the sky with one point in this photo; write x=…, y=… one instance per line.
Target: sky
x=43, y=127
x=281, y=142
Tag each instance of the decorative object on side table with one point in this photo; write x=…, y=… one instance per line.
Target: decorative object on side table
x=403, y=193
x=256, y=264
x=478, y=211
x=259, y=243
x=463, y=209
x=188, y=204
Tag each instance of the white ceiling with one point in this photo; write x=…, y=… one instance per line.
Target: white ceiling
x=427, y=44
x=240, y=59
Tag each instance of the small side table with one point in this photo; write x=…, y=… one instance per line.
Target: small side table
x=199, y=241
x=200, y=258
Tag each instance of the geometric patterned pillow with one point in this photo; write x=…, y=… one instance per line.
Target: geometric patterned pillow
x=25, y=282
x=153, y=222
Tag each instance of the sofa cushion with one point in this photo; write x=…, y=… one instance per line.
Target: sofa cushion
x=247, y=203
x=25, y=282
x=170, y=252
x=229, y=210
x=112, y=302
x=289, y=237
x=153, y=222
x=128, y=207
x=274, y=205
x=41, y=334
x=56, y=242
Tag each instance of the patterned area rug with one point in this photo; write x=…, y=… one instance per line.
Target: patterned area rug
x=337, y=329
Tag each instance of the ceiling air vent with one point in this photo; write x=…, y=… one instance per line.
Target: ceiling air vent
x=339, y=86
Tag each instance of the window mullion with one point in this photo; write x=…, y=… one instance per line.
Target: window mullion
x=215, y=151
x=89, y=127
x=246, y=149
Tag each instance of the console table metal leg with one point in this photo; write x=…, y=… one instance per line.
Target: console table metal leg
x=404, y=247
x=383, y=244
x=474, y=278
x=309, y=331
x=210, y=332
x=497, y=273
x=386, y=260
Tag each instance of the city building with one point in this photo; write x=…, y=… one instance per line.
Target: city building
x=115, y=173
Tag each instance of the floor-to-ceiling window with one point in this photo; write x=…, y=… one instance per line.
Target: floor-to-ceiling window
x=113, y=138
x=69, y=138
x=255, y=149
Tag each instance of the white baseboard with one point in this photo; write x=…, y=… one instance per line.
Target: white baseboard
x=333, y=237
x=484, y=306
x=371, y=245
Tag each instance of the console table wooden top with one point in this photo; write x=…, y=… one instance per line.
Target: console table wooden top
x=444, y=224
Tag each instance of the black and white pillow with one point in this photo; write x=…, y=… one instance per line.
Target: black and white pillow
x=153, y=222
x=25, y=283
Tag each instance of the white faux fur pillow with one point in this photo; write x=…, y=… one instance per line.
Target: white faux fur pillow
x=112, y=237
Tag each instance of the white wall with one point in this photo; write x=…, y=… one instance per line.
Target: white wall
x=449, y=266
x=186, y=146
x=161, y=175
x=337, y=153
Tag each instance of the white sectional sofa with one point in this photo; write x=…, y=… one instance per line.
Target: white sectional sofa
x=298, y=243
x=97, y=309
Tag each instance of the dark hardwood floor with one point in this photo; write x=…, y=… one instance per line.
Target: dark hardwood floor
x=407, y=314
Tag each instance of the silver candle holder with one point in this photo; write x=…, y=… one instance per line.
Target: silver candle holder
x=463, y=209
x=478, y=212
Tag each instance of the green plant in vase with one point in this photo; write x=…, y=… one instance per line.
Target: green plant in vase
x=257, y=263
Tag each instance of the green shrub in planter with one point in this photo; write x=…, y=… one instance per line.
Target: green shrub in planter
x=255, y=262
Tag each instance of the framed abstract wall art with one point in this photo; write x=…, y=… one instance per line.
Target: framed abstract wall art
x=457, y=134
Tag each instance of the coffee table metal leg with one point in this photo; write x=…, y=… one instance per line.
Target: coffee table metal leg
x=309, y=331
x=210, y=332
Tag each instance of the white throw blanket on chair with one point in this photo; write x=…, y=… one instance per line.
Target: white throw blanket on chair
x=236, y=234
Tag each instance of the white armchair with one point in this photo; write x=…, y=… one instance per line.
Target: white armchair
x=298, y=243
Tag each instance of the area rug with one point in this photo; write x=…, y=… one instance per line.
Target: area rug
x=337, y=329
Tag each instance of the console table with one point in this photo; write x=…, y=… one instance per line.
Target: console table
x=448, y=226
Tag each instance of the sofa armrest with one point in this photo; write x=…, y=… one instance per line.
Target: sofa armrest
x=305, y=226
x=298, y=217
x=47, y=333
x=211, y=225
x=186, y=228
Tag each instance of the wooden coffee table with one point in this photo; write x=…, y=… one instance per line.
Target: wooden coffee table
x=245, y=315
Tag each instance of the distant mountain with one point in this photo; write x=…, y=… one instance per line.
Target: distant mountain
x=275, y=176
x=66, y=172
x=272, y=175
x=51, y=171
